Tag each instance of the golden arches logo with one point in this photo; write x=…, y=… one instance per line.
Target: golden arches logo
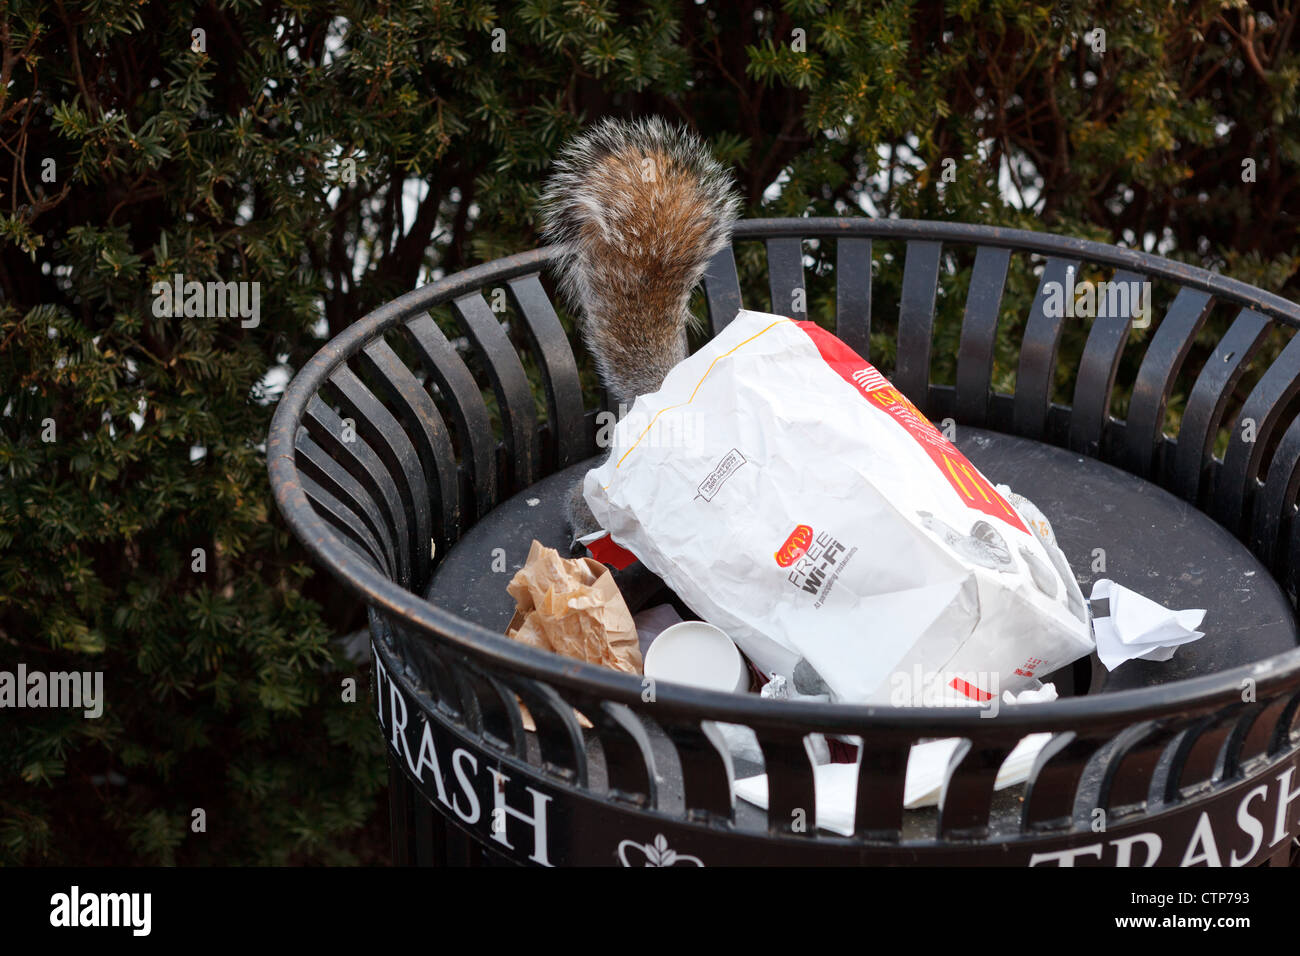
x=795, y=547
x=960, y=468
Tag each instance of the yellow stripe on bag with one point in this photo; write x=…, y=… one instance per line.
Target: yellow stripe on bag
x=693, y=392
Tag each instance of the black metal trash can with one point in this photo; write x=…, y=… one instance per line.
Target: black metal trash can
x=415, y=492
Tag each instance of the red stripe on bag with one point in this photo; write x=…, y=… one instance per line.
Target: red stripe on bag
x=973, y=488
x=970, y=690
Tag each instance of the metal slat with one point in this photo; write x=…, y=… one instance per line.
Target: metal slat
x=1248, y=737
x=916, y=321
x=629, y=758
x=1195, y=752
x=333, y=479
x=344, y=520
x=791, y=796
x=882, y=775
x=853, y=294
x=496, y=709
x=559, y=371
x=384, y=434
x=1128, y=770
x=361, y=462
x=1210, y=396
x=1282, y=740
x=1291, y=570
x=559, y=735
x=785, y=278
x=1090, y=407
x=1164, y=357
x=1054, y=782
x=510, y=383
x=1263, y=408
x=473, y=425
x=467, y=696
x=967, y=793
x=429, y=435
x=434, y=673
x=517, y=738
x=722, y=289
x=1037, y=369
x=979, y=333
x=706, y=768
x=1280, y=488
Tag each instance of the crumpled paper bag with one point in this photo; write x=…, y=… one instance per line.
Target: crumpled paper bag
x=572, y=606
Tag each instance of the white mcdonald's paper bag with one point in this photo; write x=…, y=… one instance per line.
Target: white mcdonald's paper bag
x=793, y=497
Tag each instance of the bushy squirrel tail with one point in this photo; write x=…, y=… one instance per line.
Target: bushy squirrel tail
x=639, y=208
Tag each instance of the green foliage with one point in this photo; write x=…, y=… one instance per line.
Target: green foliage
x=339, y=153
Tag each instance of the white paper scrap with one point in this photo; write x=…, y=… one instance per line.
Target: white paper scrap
x=836, y=784
x=1129, y=626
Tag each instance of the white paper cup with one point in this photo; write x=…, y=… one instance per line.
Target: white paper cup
x=697, y=654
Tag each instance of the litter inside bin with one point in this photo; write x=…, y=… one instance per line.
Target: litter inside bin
x=572, y=606
x=791, y=496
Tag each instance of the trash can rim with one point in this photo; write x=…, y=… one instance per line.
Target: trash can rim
x=385, y=595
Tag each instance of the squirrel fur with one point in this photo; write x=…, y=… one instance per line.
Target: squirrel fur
x=638, y=208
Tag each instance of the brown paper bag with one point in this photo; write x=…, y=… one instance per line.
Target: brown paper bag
x=572, y=606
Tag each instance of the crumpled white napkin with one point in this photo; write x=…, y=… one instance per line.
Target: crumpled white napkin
x=835, y=785
x=1138, y=627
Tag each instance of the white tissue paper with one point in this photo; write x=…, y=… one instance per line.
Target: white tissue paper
x=1137, y=627
x=836, y=784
